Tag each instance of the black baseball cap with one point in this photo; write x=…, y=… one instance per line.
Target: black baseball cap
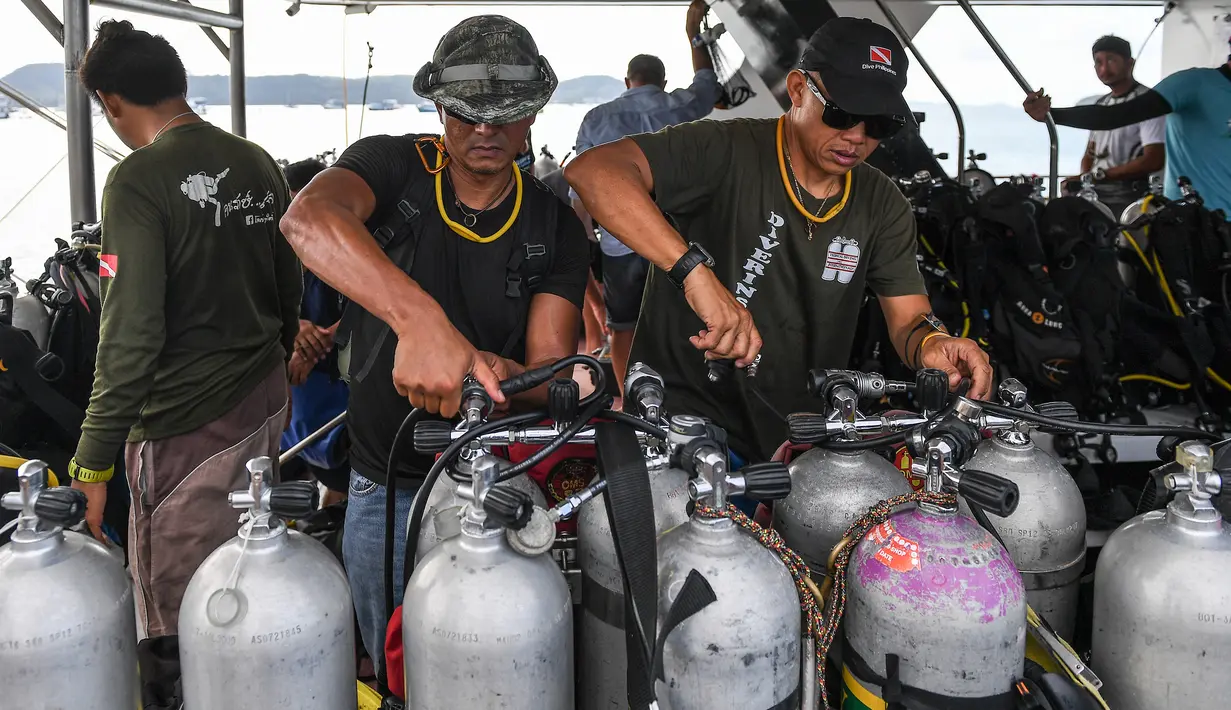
x=862, y=65
x=1113, y=44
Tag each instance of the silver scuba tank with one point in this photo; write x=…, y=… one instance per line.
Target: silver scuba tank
x=1046, y=535
x=742, y=650
x=932, y=598
x=443, y=517
x=602, y=660
x=22, y=310
x=267, y=619
x=1144, y=207
x=829, y=490
x=64, y=603
x=1162, y=598
x=487, y=616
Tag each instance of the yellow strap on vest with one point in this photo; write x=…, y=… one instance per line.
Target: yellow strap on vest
x=368, y=699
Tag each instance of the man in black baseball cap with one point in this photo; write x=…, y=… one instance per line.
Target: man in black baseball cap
x=783, y=224
x=455, y=263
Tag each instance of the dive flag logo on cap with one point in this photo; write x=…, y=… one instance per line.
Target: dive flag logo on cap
x=881, y=55
x=107, y=265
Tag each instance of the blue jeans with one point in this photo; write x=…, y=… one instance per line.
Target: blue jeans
x=363, y=552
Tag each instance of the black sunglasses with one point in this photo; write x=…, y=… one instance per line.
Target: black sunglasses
x=876, y=127
x=463, y=119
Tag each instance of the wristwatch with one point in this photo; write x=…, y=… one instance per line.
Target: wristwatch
x=694, y=257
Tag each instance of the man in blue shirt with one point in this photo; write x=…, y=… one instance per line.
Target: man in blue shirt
x=1197, y=104
x=645, y=107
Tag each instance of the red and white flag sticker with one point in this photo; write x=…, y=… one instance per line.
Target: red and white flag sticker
x=107, y=265
x=881, y=55
x=881, y=533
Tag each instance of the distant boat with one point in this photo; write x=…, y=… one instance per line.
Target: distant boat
x=198, y=104
x=386, y=105
x=334, y=103
x=4, y=111
x=426, y=107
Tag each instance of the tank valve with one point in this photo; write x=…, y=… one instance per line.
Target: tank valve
x=762, y=481
x=294, y=499
x=807, y=428
x=1198, y=476
x=508, y=507
x=536, y=537
x=645, y=387
x=995, y=494
x=1012, y=393
x=931, y=389
x=433, y=436
x=59, y=507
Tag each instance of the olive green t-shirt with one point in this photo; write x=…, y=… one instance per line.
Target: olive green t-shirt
x=721, y=183
x=200, y=290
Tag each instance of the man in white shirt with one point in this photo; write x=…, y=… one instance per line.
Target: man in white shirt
x=1126, y=156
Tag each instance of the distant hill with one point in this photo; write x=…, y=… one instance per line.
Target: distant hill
x=45, y=84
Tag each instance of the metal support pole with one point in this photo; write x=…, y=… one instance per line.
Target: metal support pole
x=957, y=112
x=82, y=206
x=38, y=110
x=1053, y=177
x=213, y=37
x=47, y=18
x=239, y=116
x=176, y=11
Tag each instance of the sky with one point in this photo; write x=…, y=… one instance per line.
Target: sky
x=1051, y=45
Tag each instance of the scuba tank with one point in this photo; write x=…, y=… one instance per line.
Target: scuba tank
x=68, y=629
x=1137, y=239
x=743, y=649
x=935, y=609
x=831, y=488
x=1162, y=597
x=602, y=658
x=1046, y=535
x=546, y=164
x=267, y=619
x=22, y=311
x=443, y=517
x=1089, y=194
x=487, y=615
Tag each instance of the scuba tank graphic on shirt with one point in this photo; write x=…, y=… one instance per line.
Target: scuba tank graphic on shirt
x=841, y=260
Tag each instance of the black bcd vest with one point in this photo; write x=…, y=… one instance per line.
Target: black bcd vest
x=362, y=336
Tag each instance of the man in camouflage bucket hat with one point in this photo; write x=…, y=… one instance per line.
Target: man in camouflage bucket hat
x=455, y=263
x=487, y=69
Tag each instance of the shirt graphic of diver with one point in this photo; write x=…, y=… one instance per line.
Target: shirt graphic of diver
x=201, y=189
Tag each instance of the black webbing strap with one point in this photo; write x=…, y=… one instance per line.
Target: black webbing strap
x=19, y=357
x=630, y=509
x=898, y=696
x=695, y=595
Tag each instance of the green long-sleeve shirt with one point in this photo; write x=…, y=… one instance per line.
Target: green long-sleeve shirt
x=200, y=290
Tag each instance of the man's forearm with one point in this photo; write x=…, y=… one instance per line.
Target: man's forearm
x=1140, y=167
x=333, y=244
x=1149, y=105
x=907, y=336
x=616, y=193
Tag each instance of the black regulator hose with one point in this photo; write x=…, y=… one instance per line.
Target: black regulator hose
x=391, y=487
x=634, y=422
x=582, y=420
x=1099, y=427
x=530, y=379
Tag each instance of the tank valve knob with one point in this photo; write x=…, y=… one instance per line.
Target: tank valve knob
x=432, y=437
x=60, y=506
x=294, y=499
x=1165, y=450
x=1056, y=410
x=719, y=370
x=931, y=389
x=995, y=494
x=763, y=481
x=508, y=506
x=806, y=428
x=563, y=396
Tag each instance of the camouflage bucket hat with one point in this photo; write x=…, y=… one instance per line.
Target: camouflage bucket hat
x=487, y=69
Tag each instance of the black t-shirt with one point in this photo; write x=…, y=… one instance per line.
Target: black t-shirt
x=467, y=279
x=724, y=185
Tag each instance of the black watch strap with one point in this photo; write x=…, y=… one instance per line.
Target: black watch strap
x=694, y=257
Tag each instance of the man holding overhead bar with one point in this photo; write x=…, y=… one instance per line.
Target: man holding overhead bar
x=781, y=223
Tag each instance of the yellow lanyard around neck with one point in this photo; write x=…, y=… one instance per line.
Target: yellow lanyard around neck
x=786, y=182
x=461, y=229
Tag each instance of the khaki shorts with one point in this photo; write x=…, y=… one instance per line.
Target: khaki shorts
x=179, y=487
